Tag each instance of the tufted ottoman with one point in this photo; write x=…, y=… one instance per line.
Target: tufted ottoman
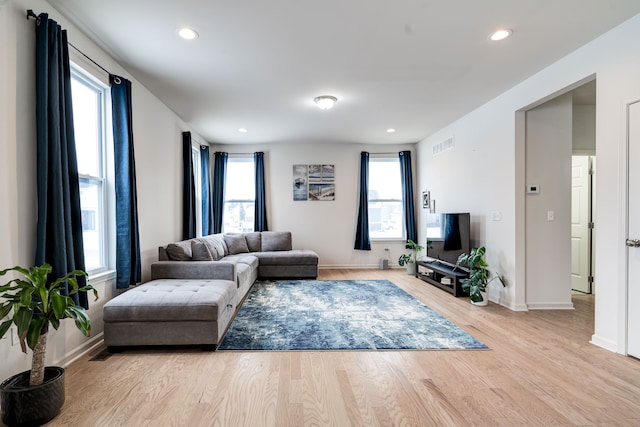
x=170, y=312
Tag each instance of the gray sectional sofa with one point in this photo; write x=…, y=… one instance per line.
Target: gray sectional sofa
x=197, y=286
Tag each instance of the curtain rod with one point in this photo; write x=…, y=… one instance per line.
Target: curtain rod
x=31, y=14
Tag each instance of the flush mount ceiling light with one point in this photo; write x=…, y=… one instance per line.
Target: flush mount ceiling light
x=325, y=102
x=391, y=130
x=187, y=33
x=243, y=130
x=501, y=34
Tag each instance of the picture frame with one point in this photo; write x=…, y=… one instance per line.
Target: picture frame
x=426, y=199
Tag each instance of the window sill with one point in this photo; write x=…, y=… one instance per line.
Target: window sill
x=388, y=240
x=102, y=276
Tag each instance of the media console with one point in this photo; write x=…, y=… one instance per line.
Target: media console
x=443, y=275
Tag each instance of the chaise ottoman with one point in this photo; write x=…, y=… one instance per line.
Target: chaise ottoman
x=170, y=312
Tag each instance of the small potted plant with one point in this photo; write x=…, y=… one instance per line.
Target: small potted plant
x=36, y=396
x=476, y=283
x=410, y=259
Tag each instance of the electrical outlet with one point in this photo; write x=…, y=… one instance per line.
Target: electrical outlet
x=386, y=249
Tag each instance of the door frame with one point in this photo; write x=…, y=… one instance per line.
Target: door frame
x=625, y=213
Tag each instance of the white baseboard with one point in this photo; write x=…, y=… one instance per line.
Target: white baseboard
x=356, y=267
x=605, y=343
x=80, y=351
x=550, y=306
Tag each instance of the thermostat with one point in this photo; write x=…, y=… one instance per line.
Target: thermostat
x=533, y=189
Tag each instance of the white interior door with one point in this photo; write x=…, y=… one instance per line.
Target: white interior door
x=580, y=208
x=633, y=252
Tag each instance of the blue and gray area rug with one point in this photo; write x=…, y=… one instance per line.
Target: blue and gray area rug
x=339, y=315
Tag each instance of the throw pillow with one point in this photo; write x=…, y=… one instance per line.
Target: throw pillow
x=200, y=251
x=276, y=241
x=216, y=245
x=254, y=241
x=179, y=251
x=236, y=243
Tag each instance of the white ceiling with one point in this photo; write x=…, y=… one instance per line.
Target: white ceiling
x=412, y=65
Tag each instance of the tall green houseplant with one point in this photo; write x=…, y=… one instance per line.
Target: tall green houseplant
x=476, y=283
x=35, y=305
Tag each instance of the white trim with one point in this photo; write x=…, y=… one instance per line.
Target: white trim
x=605, y=343
x=550, y=306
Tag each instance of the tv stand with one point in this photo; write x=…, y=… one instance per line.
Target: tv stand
x=438, y=273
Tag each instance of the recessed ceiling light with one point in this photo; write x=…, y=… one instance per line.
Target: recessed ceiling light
x=242, y=130
x=187, y=33
x=501, y=34
x=391, y=130
x=325, y=102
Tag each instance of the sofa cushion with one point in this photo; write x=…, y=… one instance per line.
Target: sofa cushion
x=250, y=260
x=244, y=273
x=200, y=251
x=179, y=251
x=171, y=300
x=216, y=245
x=276, y=241
x=236, y=243
x=293, y=257
x=254, y=241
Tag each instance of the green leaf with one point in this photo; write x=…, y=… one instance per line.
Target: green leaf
x=5, y=309
x=22, y=318
x=55, y=322
x=34, y=332
x=59, y=304
x=4, y=327
x=83, y=322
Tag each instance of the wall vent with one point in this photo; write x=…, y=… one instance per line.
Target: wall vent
x=445, y=145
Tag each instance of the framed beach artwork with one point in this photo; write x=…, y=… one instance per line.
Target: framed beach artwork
x=314, y=182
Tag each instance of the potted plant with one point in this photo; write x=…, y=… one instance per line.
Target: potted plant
x=410, y=258
x=476, y=283
x=36, y=396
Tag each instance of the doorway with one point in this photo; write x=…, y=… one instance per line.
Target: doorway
x=557, y=129
x=633, y=231
x=582, y=223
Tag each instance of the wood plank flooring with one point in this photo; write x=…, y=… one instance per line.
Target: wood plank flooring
x=540, y=371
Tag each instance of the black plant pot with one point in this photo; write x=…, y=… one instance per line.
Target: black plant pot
x=26, y=405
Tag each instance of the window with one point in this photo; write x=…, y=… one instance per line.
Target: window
x=89, y=117
x=385, y=199
x=197, y=185
x=239, y=196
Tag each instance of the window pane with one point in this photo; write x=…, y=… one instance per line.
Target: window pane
x=384, y=179
x=90, y=205
x=87, y=127
x=238, y=217
x=385, y=220
x=239, y=195
x=385, y=199
x=88, y=115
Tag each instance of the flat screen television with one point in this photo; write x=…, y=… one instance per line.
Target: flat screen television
x=448, y=236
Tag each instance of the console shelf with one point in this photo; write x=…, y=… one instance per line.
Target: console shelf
x=436, y=272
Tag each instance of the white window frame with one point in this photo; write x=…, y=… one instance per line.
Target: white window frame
x=251, y=179
x=370, y=201
x=85, y=78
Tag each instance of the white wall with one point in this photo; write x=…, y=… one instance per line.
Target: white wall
x=328, y=227
x=490, y=144
x=548, y=165
x=157, y=134
x=584, y=129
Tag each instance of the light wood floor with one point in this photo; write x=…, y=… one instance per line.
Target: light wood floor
x=540, y=371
